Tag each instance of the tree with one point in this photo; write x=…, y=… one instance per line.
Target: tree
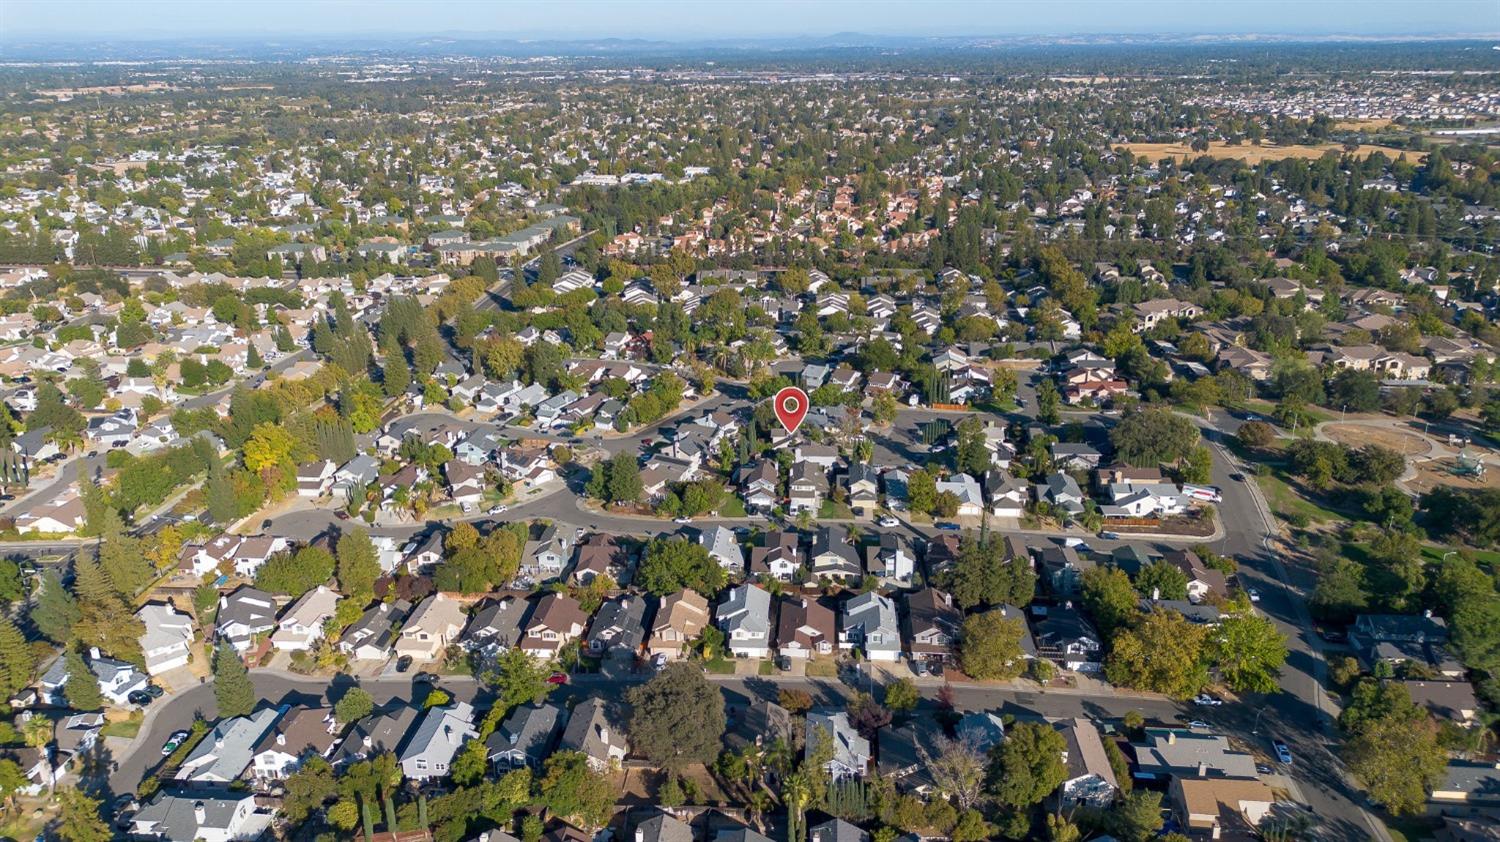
x=971, y=455
x=1256, y=434
x=269, y=445
x=958, y=769
x=56, y=611
x=1048, y=402
x=294, y=574
x=1109, y=597
x=1028, y=766
x=12, y=589
x=308, y=789
x=1149, y=437
x=470, y=764
x=990, y=646
x=17, y=659
x=232, y=688
x=518, y=679
x=1398, y=759
x=1248, y=652
x=574, y=792
x=901, y=695
x=677, y=717
x=80, y=820
x=82, y=689
x=1164, y=653
x=1160, y=580
x=1138, y=817
x=358, y=566
x=395, y=374
x=675, y=563
x=353, y=706
x=13, y=782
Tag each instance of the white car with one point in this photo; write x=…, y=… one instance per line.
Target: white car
x=1254, y=595
x=1207, y=700
x=500, y=509
x=1199, y=725
x=889, y=522
x=1283, y=753
x=682, y=520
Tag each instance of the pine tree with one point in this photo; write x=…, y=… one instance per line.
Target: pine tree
x=222, y=505
x=232, y=688
x=125, y=565
x=252, y=359
x=396, y=374
x=56, y=611
x=17, y=660
x=82, y=689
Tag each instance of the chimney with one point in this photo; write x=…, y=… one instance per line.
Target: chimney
x=94, y=650
x=200, y=815
x=1202, y=769
x=1171, y=738
x=1427, y=614
x=1156, y=594
x=369, y=742
x=603, y=734
x=640, y=834
x=281, y=739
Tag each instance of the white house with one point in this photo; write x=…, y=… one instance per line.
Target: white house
x=168, y=638
x=301, y=625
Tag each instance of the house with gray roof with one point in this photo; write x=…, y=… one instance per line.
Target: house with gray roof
x=202, y=817
x=526, y=737
x=834, y=556
x=663, y=828
x=373, y=634
x=377, y=733
x=1181, y=752
x=870, y=623
x=851, y=752
x=722, y=547
x=497, y=626
x=226, y=751
x=1090, y=779
x=244, y=613
x=597, y=729
x=745, y=619
x=436, y=741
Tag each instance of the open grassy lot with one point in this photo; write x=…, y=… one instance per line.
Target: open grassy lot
x=1256, y=154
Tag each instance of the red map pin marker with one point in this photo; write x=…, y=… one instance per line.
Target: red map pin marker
x=791, y=408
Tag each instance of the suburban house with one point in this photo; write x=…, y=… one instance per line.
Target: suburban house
x=556, y=620
x=225, y=816
x=805, y=628
x=301, y=625
x=433, y=625
x=315, y=479
x=758, y=485
x=227, y=750
x=545, y=557
x=864, y=489
x=1219, y=808
x=300, y=734
x=851, y=752
x=378, y=733
x=595, y=729
x=598, y=555
x=1203, y=583
x=870, y=624
x=244, y=613
x=526, y=737
x=680, y=617
x=1405, y=638
x=1185, y=753
x=619, y=628
x=966, y=489
x=777, y=554
x=722, y=547
x=1069, y=640
x=891, y=559
x=497, y=626
x=117, y=679
x=1060, y=491
x=1090, y=779
x=834, y=557
x=932, y=625
x=373, y=634
x=437, y=739
x=168, y=639
x=1006, y=495
x=745, y=619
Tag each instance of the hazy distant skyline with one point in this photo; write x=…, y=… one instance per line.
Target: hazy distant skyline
x=677, y=20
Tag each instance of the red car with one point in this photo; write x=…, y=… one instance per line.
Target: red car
x=557, y=678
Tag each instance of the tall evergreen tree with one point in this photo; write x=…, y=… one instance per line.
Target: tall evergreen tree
x=56, y=611
x=82, y=689
x=17, y=660
x=395, y=373
x=232, y=688
x=222, y=505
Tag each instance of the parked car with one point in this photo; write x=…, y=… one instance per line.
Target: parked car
x=154, y=691
x=1207, y=700
x=139, y=698
x=173, y=742
x=951, y=527
x=498, y=510
x=403, y=663
x=659, y=661
x=557, y=678
x=1334, y=636
x=1109, y=536
x=1283, y=753
x=682, y=520
x=1198, y=725
x=1254, y=595
x=919, y=666
x=889, y=522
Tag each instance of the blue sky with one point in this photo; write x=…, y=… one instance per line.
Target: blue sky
x=693, y=19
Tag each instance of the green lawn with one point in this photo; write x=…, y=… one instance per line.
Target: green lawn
x=835, y=511
x=1287, y=503
x=733, y=507
x=720, y=666
x=127, y=729
x=822, y=669
x=766, y=668
x=1486, y=558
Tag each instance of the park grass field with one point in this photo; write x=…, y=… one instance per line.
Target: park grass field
x=1256, y=154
